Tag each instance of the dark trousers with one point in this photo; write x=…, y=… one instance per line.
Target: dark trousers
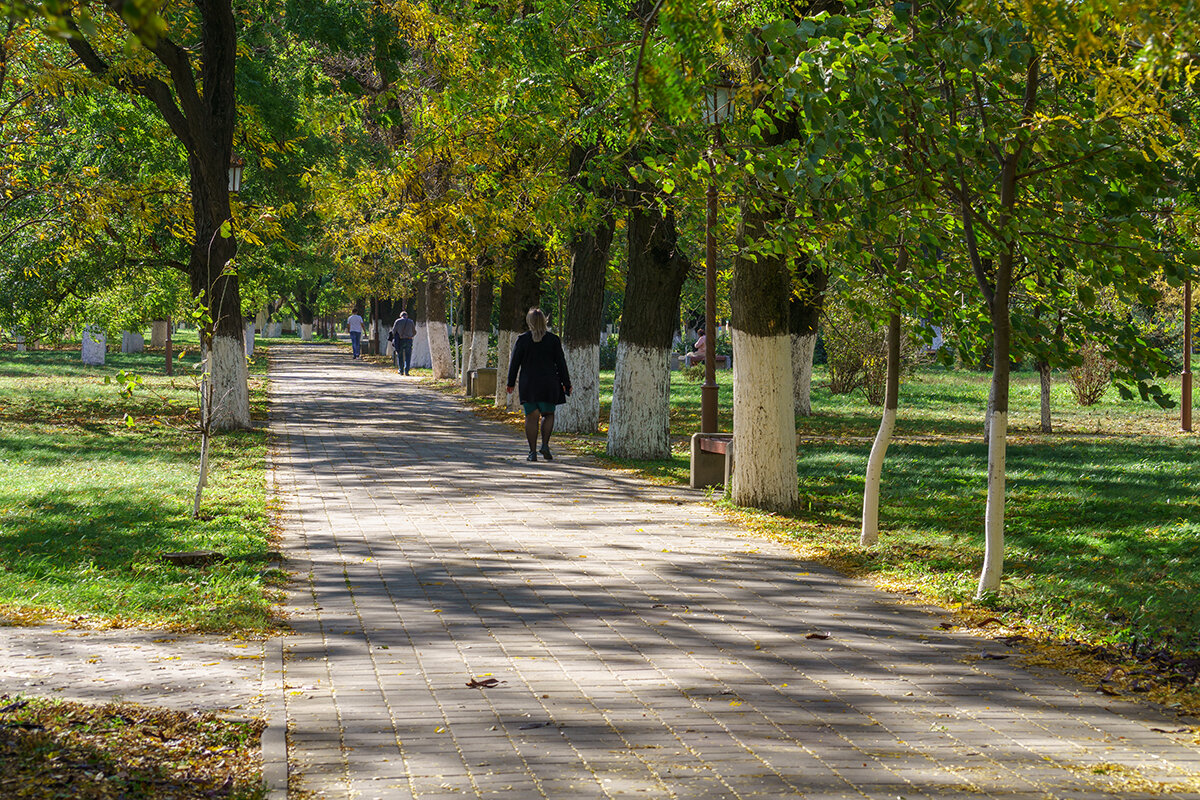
x=403, y=353
x=356, y=342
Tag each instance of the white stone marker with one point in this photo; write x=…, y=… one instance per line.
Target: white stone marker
x=249, y=334
x=95, y=342
x=132, y=342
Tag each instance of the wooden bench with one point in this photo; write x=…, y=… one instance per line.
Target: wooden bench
x=712, y=460
x=722, y=362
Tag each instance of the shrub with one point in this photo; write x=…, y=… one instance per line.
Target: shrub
x=856, y=355
x=608, y=353
x=1091, y=378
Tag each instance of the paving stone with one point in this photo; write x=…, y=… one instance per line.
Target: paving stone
x=646, y=648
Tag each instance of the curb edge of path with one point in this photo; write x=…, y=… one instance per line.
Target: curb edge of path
x=274, y=736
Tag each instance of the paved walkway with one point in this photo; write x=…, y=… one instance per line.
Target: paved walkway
x=186, y=673
x=639, y=646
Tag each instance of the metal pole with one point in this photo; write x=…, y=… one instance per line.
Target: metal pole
x=1185, y=416
x=708, y=392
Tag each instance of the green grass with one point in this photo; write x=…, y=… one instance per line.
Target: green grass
x=87, y=504
x=1102, y=522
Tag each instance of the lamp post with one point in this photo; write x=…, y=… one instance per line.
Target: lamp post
x=236, y=165
x=1185, y=416
x=718, y=102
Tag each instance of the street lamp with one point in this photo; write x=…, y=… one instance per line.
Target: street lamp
x=236, y=165
x=1185, y=417
x=718, y=102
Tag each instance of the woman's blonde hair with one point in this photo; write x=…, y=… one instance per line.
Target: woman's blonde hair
x=536, y=321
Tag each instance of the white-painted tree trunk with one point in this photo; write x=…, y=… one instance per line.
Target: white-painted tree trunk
x=803, y=348
x=581, y=412
x=504, y=346
x=870, y=514
x=468, y=355
x=764, y=423
x=479, y=350
x=993, y=531
x=639, y=424
x=225, y=366
x=249, y=338
x=421, y=356
x=441, y=359
x=306, y=331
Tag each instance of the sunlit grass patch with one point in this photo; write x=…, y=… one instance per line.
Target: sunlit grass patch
x=88, y=504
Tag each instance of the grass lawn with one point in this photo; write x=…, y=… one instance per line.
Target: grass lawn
x=88, y=504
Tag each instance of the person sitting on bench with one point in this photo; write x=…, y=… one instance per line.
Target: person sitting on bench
x=697, y=354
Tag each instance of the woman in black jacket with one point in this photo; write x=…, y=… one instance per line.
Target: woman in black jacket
x=544, y=383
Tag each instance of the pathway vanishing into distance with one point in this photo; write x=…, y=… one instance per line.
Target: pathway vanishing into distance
x=631, y=643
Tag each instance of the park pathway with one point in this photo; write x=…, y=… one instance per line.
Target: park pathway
x=639, y=646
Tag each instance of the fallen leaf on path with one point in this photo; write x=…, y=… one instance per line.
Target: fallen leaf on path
x=483, y=683
x=818, y=635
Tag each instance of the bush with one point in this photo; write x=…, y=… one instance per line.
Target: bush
x=856, y=355
x=1091, y=378
x=608, y=353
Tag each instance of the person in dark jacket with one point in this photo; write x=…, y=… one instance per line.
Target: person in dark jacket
x=401, y=335
x=544, y=382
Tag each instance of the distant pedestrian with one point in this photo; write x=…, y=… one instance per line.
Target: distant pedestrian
x=544, y=382
x=403, y=331
x=354, y=324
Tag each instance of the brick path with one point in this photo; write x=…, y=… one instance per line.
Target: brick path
x=186, y=673
x=643, y=648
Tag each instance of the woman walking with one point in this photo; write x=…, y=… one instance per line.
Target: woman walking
x=544, y=383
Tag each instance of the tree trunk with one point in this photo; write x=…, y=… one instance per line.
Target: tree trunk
x=435, y=326
x=481, y=314
x=584, y=315
x=993, y=556
x=420, y=354
x=516, y=298
x=804, y=317
x=870, y=516
x=639, y=423
x=1043, y=369
x=764, y=422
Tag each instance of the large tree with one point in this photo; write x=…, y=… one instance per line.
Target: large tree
x=183, y=63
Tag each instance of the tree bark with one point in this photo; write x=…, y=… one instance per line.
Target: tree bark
x=639, y=422
x=993, y=556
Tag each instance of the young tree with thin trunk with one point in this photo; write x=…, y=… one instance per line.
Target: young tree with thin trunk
x=870, y=514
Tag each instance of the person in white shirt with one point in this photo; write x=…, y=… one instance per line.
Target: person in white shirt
x=355, y=325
